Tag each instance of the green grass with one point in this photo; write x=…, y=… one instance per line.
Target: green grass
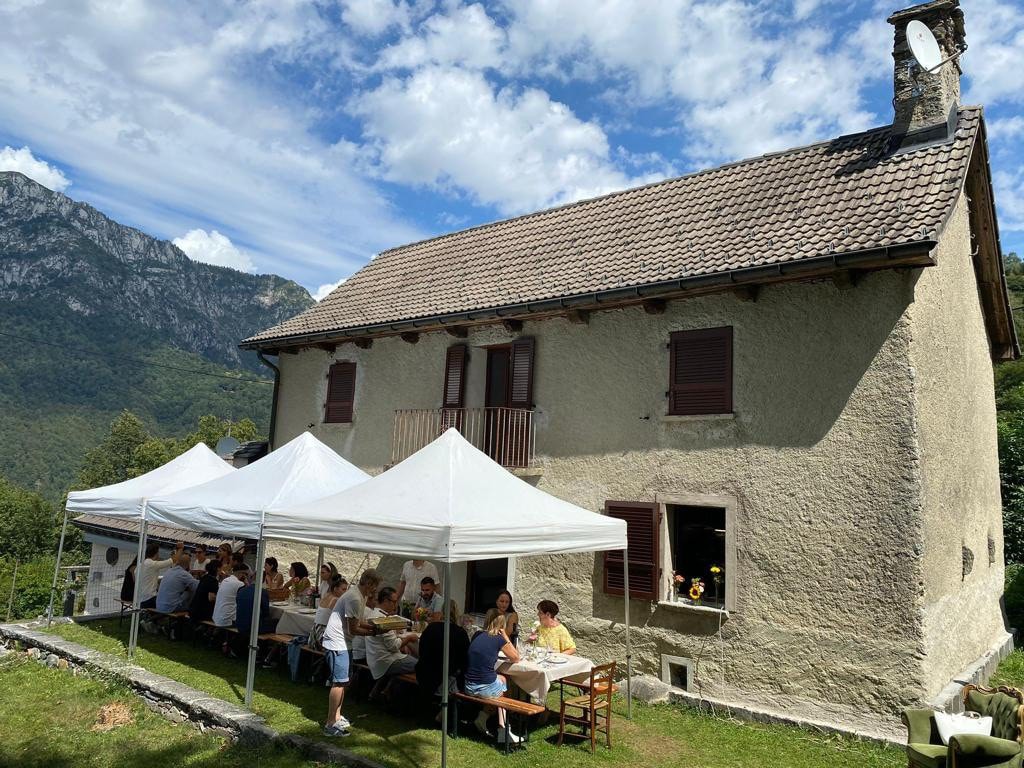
x=1011, y=671
x=657, y=736
x=47, y=719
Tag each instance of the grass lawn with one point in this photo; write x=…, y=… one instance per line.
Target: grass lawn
x=1011, y=671
x=657, y=736
x=50, y=719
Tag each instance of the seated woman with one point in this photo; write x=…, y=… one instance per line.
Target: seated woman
x=128, y=585
x=327, y=573
x=481, y=679
x=503, y=607
x=552, y=633
x=224, y=559
x=298, y=581
x=429, y=666
x=272, y=579
x=338, y=587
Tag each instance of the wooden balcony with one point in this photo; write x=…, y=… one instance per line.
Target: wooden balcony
x=507, y=435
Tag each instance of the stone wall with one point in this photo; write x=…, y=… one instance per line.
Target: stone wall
x=959, y=463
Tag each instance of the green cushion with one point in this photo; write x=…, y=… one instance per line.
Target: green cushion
x=927, y=755
x=1000, y=707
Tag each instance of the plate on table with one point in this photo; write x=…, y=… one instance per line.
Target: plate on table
x=556, y=659
x=280, y=603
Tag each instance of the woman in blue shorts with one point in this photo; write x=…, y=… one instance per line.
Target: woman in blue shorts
x=481, y=679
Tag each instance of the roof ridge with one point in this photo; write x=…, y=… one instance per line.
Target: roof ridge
x=628, y=190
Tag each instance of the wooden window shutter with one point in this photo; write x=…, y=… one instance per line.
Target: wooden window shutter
x=455, y=377
x=521, y=377
x=341, y=393
x=643, y=535
x=700, y=372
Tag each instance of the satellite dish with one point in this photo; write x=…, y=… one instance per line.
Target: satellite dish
x=226, y=446
x=924, y=46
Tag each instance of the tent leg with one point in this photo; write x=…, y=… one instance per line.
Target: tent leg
x=133, y=631
x=254, y=630
x=629, y=657
x=319, y=563
x=444, y=665
x=56, y=569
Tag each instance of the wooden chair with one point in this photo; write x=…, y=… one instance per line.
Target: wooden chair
x=595, y=707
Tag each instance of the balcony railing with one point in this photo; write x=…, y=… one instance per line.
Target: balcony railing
x=507, y=435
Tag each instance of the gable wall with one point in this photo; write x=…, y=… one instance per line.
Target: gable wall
x=960, y=463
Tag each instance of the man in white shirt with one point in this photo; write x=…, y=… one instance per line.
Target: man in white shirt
x=343, y=626
x=224, y=606
x=387, y=654
x=150, y=570
x=413, y=573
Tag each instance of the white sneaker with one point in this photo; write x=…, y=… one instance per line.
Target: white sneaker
x=512, y=738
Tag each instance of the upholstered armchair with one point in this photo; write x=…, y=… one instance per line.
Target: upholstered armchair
x=1003, y=748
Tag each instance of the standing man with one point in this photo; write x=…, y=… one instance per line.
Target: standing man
x=413, y=573
x=343, y=626
x=149, y=573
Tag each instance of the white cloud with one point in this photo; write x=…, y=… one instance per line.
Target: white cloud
x=516, y=149
x=995, y=60
x=324, y=290
x=23, y=160
x=1008, y=191
x=466, y=37
x=214, y=248
x=373, y=17
x=1004, y=128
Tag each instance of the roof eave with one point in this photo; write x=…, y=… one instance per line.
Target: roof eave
x=909, y=254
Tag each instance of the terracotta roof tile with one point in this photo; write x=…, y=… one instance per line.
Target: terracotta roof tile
x=843, y=195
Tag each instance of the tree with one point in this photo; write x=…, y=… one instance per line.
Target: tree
x=113, y=460
x=211, y=429
x=1011, y=474
x=26, y=523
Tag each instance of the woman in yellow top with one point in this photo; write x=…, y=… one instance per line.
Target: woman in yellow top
x=552, y=633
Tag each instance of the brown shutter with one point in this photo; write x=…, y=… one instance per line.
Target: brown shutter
x=341, y=393
x=643, y=533
x=521, y=363
x=455, y=377
x=700, y=372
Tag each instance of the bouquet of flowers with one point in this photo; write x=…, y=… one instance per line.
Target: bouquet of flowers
x=406, y=608
x=716, y=578
x=696, y=590
x=533, y=632
x=677, y=582
x=422, y=614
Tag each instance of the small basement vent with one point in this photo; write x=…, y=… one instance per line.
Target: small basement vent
x=677, y=671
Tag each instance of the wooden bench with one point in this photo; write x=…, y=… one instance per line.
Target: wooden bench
x=524, y=710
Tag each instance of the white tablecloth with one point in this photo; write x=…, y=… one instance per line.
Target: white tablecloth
x=292, y=619
x=535, y=678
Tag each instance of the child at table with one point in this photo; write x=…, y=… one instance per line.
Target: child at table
x=338, y=587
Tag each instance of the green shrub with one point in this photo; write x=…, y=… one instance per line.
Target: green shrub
x=1013, y=595
x=31, y=595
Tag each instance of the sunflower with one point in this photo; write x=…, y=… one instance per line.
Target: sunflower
x=695, y=592
x=715, y=569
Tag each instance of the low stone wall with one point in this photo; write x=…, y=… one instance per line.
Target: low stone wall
x=173, y=700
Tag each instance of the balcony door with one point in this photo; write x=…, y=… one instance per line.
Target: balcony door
x=497, y=397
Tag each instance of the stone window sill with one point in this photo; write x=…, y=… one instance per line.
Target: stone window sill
x=671, y=419
x=705, y=610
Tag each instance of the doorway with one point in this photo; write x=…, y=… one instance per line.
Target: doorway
x=484, y=580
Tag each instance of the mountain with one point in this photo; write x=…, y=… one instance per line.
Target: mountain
x=96, y=317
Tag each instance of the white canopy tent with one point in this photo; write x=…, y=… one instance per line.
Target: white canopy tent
x=450, y=502
x=128, y=499
x=298, y=472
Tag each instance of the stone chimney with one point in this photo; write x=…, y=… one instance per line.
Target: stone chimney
x=925, y=103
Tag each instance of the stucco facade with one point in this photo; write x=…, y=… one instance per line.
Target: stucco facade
x=860, y=458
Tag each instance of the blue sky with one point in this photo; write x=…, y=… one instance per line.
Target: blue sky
x=303, y=137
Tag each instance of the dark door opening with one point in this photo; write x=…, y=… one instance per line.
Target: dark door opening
x=484, y=580
x=497, y=396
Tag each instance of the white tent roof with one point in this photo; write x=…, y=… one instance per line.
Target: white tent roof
x=296, y=473
x=196, y=465
x=447, y=502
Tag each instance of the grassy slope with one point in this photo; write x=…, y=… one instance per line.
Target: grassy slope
x=47, y=717
x=657, y=736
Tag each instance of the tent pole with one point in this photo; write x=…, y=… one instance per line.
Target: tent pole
x=254, y=630
x=133, y=631
x=56, y=569
x=319, y=563
x=444, y=664
x=629, y=658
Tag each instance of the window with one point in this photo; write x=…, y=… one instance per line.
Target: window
x=643, y=531
x=341, y=393
x=700, y=372
x=697, y=543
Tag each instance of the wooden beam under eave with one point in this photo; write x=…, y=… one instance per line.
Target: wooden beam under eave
x=655, y=306
x=579, y=316
x=747, y=292
x=327, y=346
x=513, y=326
x=458, y=331
x=846, y=279
x=290, y=350
x=363, y=343
x=410, y=338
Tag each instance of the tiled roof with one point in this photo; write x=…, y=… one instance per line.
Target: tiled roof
x=845, y=195
x=121, y=527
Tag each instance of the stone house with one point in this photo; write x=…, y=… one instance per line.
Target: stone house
x=782, y=367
